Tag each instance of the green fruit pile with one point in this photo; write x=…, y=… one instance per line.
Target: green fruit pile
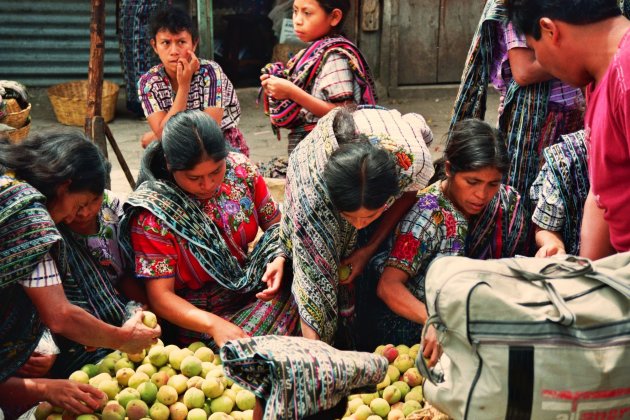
x=163, y=382
x=399, y=396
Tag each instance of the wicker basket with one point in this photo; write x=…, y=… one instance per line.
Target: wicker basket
x=16, y=117
x=69, y=101
x=19, y=134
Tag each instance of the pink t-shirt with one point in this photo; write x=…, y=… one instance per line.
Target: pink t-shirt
x=607, y=123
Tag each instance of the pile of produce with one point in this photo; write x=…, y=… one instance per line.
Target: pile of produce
x=162, y=382
x=399, y=396
x=168, y=382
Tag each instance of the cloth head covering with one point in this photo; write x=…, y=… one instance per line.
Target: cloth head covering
x=297, y=376
x=314, y=234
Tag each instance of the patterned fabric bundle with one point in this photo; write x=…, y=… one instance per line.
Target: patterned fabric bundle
x=501, y=230
x=298, y=377
x=527, y=122
x=27, y=235
x=303, y=69
x=314, y=234
x=563, y=184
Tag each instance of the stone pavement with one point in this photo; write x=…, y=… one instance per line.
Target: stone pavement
x=433, y=102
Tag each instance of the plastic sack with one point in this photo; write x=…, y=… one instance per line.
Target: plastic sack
x=131, y=308
x=47, y=345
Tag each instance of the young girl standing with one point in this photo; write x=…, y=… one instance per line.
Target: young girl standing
x=329, y=73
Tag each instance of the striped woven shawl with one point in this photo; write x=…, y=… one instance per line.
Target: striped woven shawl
x=501, y=230
x=567, y=162
x=27, y=234
x=524, y=109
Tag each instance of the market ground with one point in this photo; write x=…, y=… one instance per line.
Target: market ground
x=433, y=102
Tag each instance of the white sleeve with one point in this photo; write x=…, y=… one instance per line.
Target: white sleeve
x=45, y=274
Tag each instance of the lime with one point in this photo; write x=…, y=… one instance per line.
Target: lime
x=344, y=272
x=91, y=370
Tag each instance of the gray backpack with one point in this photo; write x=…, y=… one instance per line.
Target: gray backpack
x=530, y=338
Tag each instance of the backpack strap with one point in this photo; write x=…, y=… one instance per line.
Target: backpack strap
x=569, y=268
x=434, y=376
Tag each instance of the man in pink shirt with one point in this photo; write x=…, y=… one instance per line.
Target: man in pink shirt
x=587, y=43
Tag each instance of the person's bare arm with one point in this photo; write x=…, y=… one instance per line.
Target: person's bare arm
x=173, y=308
x=391, y=289
x=526, y=70
x=76, y=324
x=549, y=243
x=595, y=236
x=72, y=396
x=283, y=89
x=215, y=113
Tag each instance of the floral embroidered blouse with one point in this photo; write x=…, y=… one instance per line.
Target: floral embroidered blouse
x=433, y=227
x=242, y=205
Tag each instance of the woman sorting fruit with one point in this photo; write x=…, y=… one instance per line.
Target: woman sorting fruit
x=190, y=224
x=467, y=211
x=103, y=272
x=46, y=180
x=351, y=169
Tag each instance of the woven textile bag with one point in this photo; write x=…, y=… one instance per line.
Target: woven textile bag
x=530, y=338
